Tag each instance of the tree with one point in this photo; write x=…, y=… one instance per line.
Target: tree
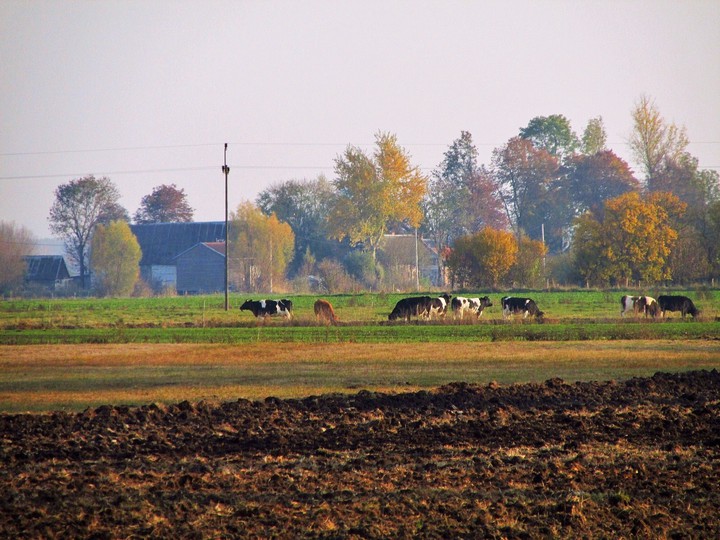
x=525, y=176
x=632, y=240
x=653, y=140
x=594, y=178
x=261, y=248
x=115, y=259
x=374, y=191
x=166, y=204
x=482, y=259
x=16, y=242
x=462, y=197
x=594, y=137
x=79, y=206
x=528, y=269
x=304, y=205
x=552, y=134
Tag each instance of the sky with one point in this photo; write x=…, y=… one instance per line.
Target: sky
x=147, y=92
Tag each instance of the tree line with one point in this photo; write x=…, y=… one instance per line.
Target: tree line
x=550, y=206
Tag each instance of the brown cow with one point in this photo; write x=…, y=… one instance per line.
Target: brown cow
x=324, y=312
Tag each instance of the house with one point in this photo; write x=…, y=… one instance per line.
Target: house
x=405, y=254
x=161, y=243
x=47, y=271
x=201, y=269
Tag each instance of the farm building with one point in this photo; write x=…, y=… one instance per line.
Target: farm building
x=201, y=268
x=161, y=243
x=398, y=254
x=47, y=271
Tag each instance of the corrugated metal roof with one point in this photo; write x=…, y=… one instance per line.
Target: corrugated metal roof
x=46, y=268
x=162, y=242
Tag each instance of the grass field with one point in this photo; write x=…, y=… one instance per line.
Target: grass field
x=73, y=377
x=74, y=353
x=207, y=311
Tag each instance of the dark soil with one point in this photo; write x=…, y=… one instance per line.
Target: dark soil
x=634, y=459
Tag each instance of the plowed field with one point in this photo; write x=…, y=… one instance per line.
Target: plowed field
x=639, y=458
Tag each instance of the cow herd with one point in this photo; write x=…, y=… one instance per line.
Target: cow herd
x=648, y=306
x=428, y=307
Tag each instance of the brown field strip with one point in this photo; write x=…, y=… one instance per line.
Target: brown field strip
x=73, y=377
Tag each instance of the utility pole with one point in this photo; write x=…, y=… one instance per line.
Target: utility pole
x=417, y=263
x=226, y=171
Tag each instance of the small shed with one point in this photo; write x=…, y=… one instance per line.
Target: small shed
x=48, y=271
x=201, y=269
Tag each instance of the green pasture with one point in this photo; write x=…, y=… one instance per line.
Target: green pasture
x=413, y=332
x=358, y=309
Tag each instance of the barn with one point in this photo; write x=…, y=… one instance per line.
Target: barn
x=48, y=272
x=201, y=269
x=162, y=243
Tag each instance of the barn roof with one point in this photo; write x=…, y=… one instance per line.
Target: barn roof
x=217, y=248
x=162, y=242
x=46, y=268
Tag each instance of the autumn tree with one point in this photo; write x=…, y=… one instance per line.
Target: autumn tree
x=261, y=248
x=16, y=242
x=632, y=240
x=553, y=134
x=115, y=258
x=79, y=206
x=594, y=137
x=304, y=205
x=166, y=204
x=528, y=270
x=375, y=191
x=593, y=179
x=527, y=179
x=462, y=197
x=654, y=141
x=483, y=259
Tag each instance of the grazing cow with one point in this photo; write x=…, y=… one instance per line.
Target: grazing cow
x=416, y=306
x=439, y=305
x=677, y=303
x=627, y=304
x=526, y=306
x=460, y=305
x=647, y=305
x=265, y=308
x=325, y=312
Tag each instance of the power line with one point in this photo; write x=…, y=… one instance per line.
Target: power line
x=170, y=170
x=271, y=144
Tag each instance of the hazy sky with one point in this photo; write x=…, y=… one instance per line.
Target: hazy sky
x=146, y=92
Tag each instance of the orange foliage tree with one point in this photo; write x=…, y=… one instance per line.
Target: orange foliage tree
x=482, y=259
x=631, y=241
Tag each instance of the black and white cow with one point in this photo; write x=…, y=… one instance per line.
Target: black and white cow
x=416, y=306
x=628, y=304
x=460, y=305
x=677, y=303
x=527, y=306
x=439, y=305
x=266, y=308
x=647, y=305
x=639, y=304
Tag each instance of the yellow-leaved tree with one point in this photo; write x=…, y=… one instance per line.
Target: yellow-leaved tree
x=483, y=259
x=261, y=247
x=632, y=241
x=115, y=259
x=375, y=191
